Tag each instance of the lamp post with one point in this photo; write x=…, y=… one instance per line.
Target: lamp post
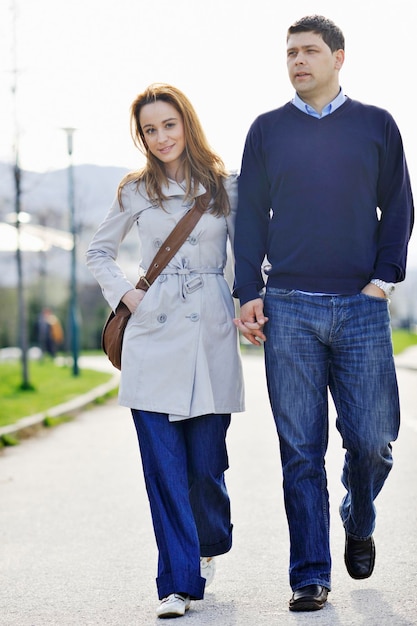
x=73, y=313
x=23, y=339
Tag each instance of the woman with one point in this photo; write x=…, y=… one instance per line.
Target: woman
x=181, y=373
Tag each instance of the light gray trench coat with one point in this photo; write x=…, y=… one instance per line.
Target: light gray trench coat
x=180, y=351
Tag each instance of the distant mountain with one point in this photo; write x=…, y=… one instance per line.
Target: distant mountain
x=44, y=196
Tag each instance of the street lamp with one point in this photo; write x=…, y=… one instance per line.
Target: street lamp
x=73, y=281
x=23, y=339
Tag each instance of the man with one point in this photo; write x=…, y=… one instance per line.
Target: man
x=325, y=212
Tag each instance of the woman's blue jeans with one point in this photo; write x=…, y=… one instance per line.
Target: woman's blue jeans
x=342, y=344
x=184, y=464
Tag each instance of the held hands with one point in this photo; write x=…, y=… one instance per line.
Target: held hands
x=133, y=298
x=252, y=321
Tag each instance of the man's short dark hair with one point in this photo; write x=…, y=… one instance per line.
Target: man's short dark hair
x=330, y=33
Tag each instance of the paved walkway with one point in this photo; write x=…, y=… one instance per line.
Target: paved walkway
x=77, y=546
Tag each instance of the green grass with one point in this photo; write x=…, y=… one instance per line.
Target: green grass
x=403, y=339
x=51, y=384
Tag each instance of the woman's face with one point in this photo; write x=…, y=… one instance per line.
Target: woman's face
x=163, y=129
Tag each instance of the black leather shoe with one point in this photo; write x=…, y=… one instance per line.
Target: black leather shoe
x=309, y=598
x=359, y=557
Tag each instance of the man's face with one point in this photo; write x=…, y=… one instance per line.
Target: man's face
x=312, y=67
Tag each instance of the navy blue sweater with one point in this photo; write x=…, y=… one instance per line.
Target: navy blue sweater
x=327, y=201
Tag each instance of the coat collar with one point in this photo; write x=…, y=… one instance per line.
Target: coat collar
x=175, y=189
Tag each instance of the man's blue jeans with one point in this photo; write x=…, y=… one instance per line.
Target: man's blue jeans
x=184, y=464
x=342, y=344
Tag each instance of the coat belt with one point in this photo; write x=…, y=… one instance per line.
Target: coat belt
x=191, y=278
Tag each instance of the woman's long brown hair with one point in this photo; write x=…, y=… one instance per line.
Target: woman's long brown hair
x=201, y=163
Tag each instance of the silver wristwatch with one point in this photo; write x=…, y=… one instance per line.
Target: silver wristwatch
x=387, y=288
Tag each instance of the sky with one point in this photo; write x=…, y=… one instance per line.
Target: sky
x=80, y=64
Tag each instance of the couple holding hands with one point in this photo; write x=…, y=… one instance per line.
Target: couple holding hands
x=319, y=219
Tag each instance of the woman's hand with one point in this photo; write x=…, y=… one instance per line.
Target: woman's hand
x=133, y=298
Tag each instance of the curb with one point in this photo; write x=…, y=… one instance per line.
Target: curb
x=27, y=426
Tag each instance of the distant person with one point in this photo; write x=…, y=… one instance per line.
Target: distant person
x=181, y=371
x=50, y=332
x=325, y=200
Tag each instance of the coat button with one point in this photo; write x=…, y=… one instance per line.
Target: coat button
x=157, y=243
x=162, y=278
x=162, y=318
x=192, y=239
x=194, y=317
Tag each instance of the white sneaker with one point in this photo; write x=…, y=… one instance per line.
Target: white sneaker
x=173, y=605
x=207, y=568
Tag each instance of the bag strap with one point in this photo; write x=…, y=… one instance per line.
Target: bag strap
x=174, y=242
